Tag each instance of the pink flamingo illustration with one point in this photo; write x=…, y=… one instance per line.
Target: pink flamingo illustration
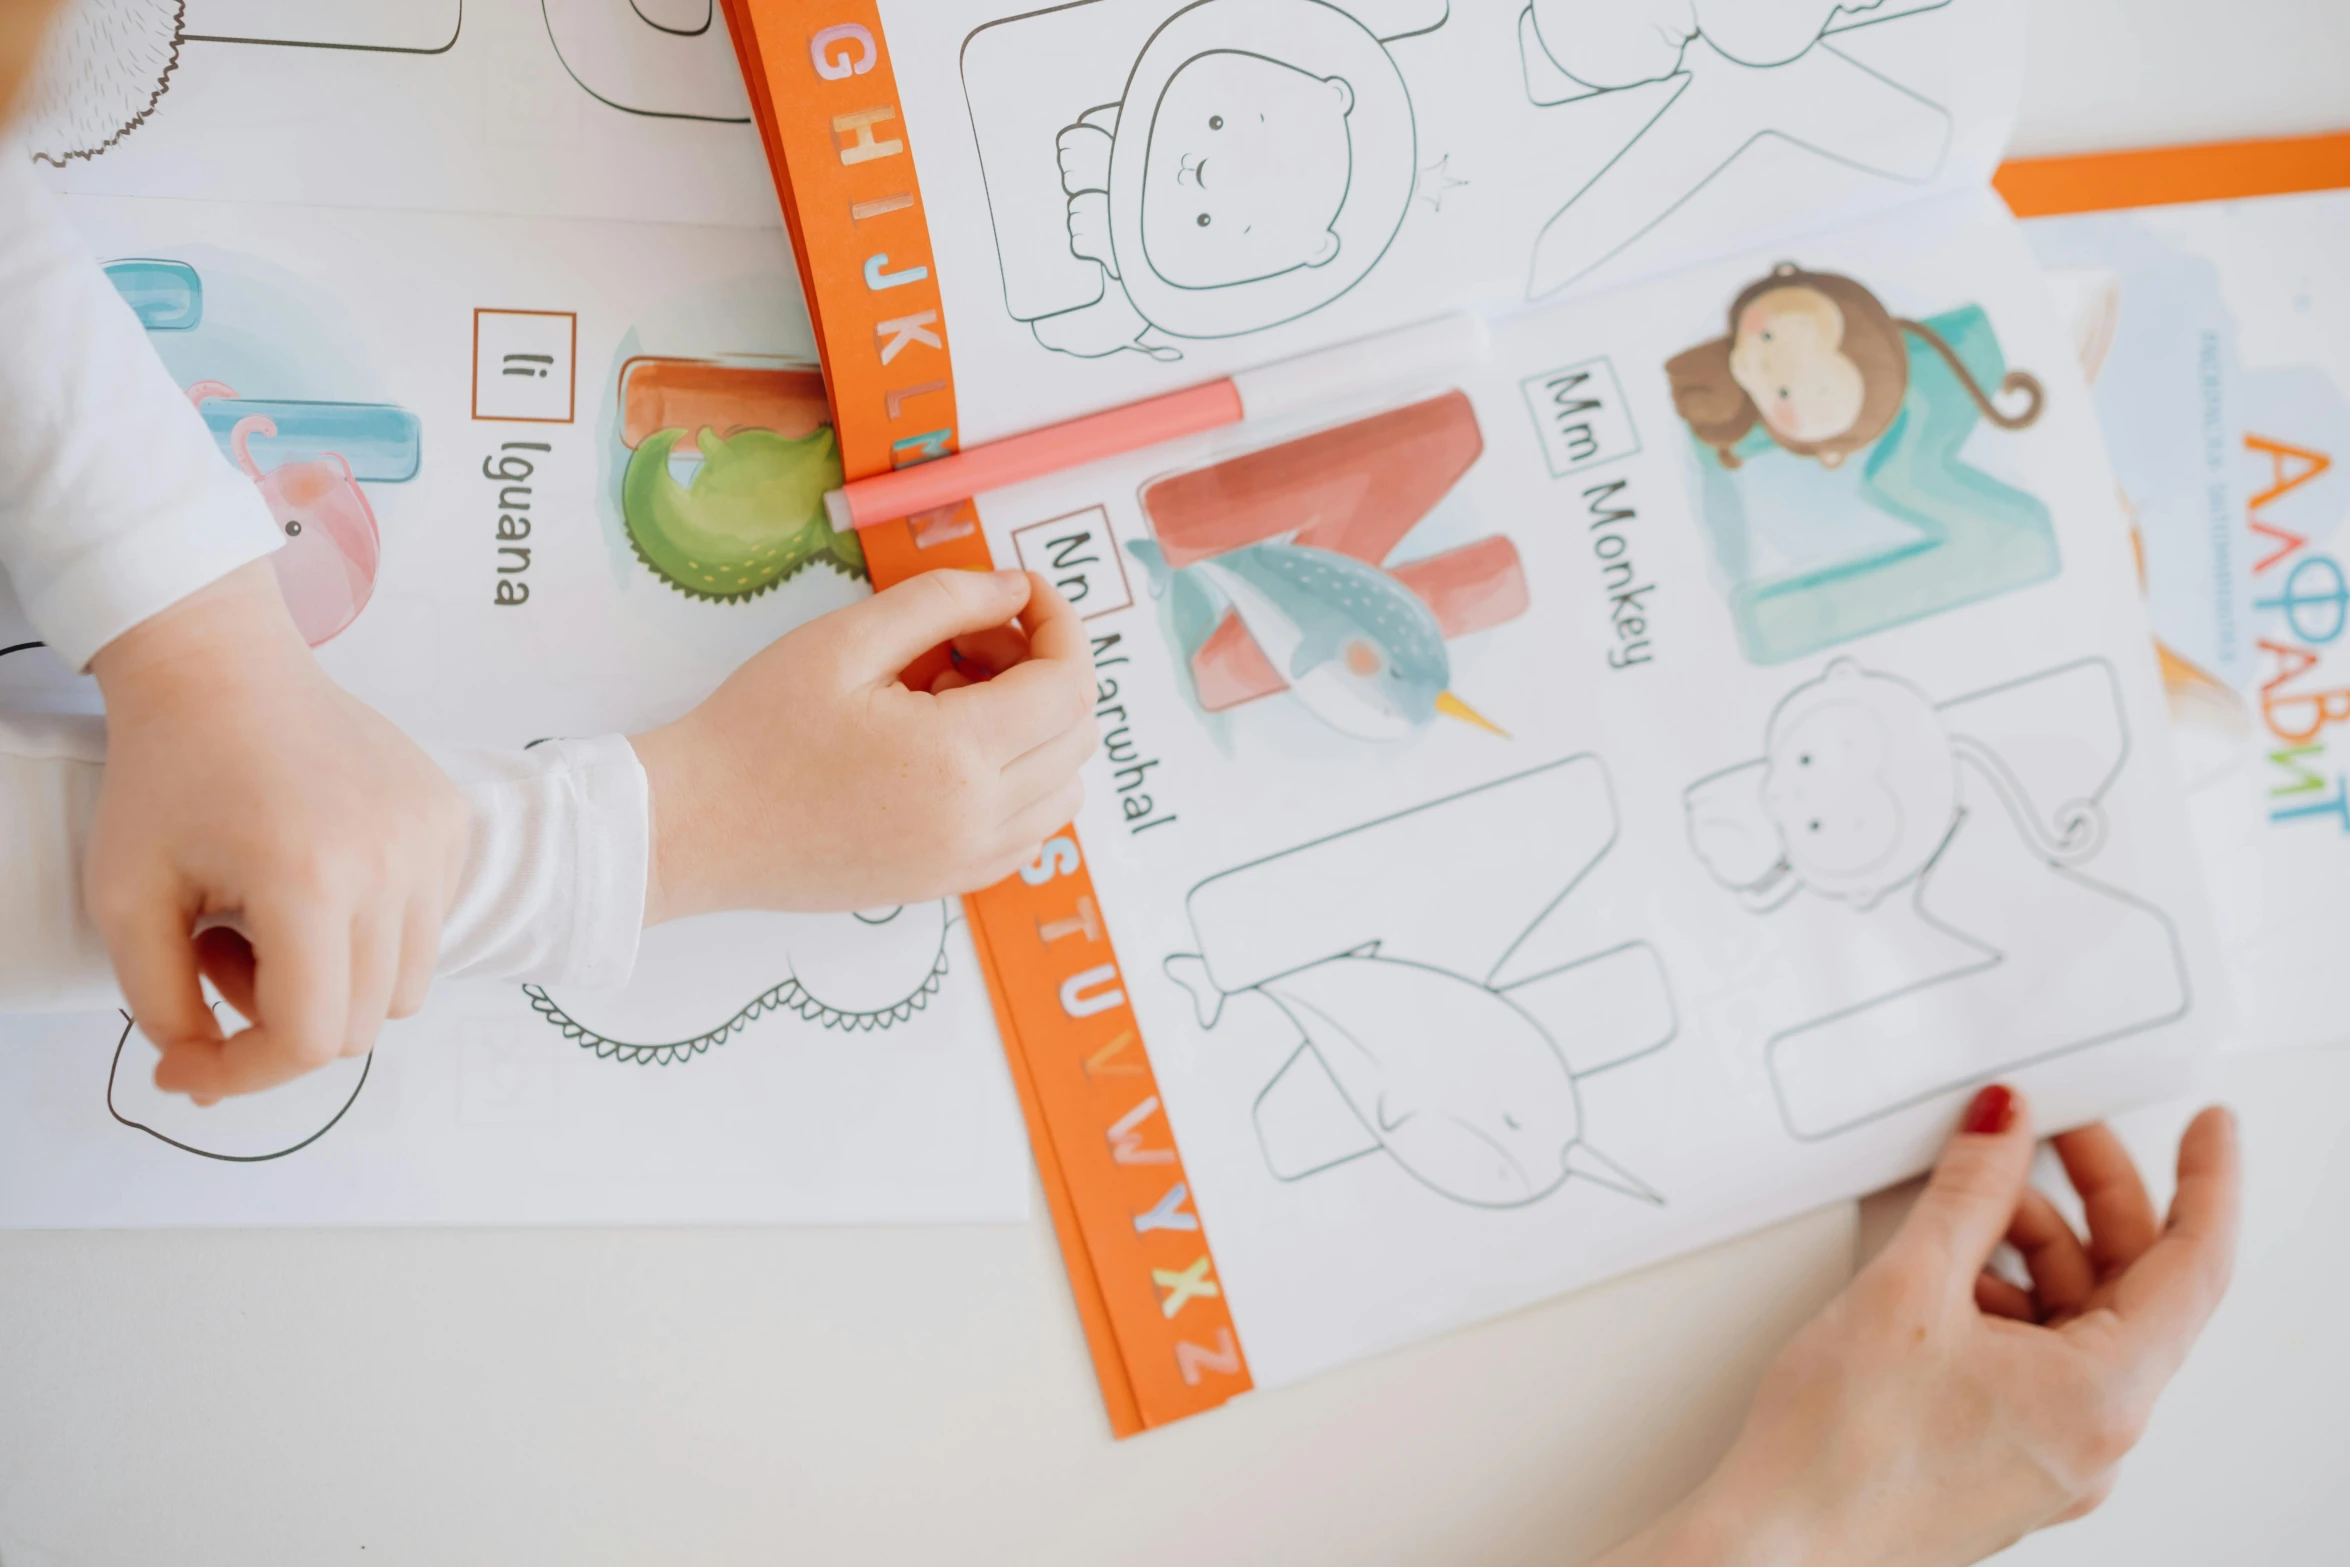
x=326, y=569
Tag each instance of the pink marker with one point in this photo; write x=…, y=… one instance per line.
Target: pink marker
x=1412, y=353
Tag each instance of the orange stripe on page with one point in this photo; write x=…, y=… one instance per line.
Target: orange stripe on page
x=1101, y=1340
x=1061, y=989
x=829, y=110
x=2165, y=176
x=1158, y=1326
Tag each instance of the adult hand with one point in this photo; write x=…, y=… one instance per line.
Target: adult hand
x=1934, y=1413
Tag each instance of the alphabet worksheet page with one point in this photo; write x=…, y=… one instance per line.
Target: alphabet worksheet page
x=1619, y=795
x=1118, y=197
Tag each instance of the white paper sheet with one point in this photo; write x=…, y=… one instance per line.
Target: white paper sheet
x=629, y=109
x=1800, y=801
x=1126, y=196
x=516, y=406
x=2220, y=334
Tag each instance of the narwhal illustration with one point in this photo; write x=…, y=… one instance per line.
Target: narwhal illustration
x=1358, y=648
x=1439, y=1031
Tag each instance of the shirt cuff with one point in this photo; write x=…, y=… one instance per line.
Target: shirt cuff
x=553, y=890
x=129, y=579
x=51, y=956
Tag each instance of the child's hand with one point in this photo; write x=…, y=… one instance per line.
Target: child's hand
x=1934, y=1413
x=815, y=780
x=240, y=779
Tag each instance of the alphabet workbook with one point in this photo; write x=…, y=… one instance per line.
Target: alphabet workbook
x=1616, y=794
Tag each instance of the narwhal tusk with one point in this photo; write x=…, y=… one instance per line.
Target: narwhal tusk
x=1453, y=707
x=1588, y=1162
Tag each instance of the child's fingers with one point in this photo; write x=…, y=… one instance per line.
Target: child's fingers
x=155, y=963
x=986, y=873
x=420, y=952
x=226, y=959
x=1025, y=707
x=302, y=986
x=191, y=1067
x=898, y=625
x=1042, y=769
x=992, y=651
x=1054, y=631
x=211, y=1070
x=1019, y=837
x=375, y=970
x=1032, y=824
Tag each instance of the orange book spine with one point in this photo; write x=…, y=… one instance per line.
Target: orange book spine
x=1160, y=1330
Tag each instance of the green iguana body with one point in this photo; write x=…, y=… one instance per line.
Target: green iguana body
x=753, y=516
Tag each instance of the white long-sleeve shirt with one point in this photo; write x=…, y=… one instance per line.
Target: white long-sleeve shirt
x=553, y=888
x=115, y=502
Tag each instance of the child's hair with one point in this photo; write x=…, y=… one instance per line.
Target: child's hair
x=1720, y=413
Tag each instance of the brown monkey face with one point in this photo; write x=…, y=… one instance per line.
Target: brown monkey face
x=1787, y=355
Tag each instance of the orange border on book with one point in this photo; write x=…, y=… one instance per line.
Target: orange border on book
x=2169, y=176
x=1159, y=1329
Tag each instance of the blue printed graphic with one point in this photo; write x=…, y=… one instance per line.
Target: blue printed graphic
x=168, y=296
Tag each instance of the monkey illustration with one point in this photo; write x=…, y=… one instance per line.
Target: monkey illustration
x=1821, y=366
x=1956, y=837
x=1858, y=794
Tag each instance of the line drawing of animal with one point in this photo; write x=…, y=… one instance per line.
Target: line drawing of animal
x=252, y=1129
x=851, y=973
x=856, y=973
x=107, y=64
x=1191, y=171
x=1434, y=1028
x=1742, y=72
x=1954, y=835
x=660, y=59
x=104, y=68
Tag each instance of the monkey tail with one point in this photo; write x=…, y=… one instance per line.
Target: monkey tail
x=2077, y=831
x=2016, y=381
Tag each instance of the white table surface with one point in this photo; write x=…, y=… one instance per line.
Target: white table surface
x=924, y=1396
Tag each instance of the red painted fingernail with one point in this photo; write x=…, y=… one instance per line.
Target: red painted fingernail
x=1988, y=1112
